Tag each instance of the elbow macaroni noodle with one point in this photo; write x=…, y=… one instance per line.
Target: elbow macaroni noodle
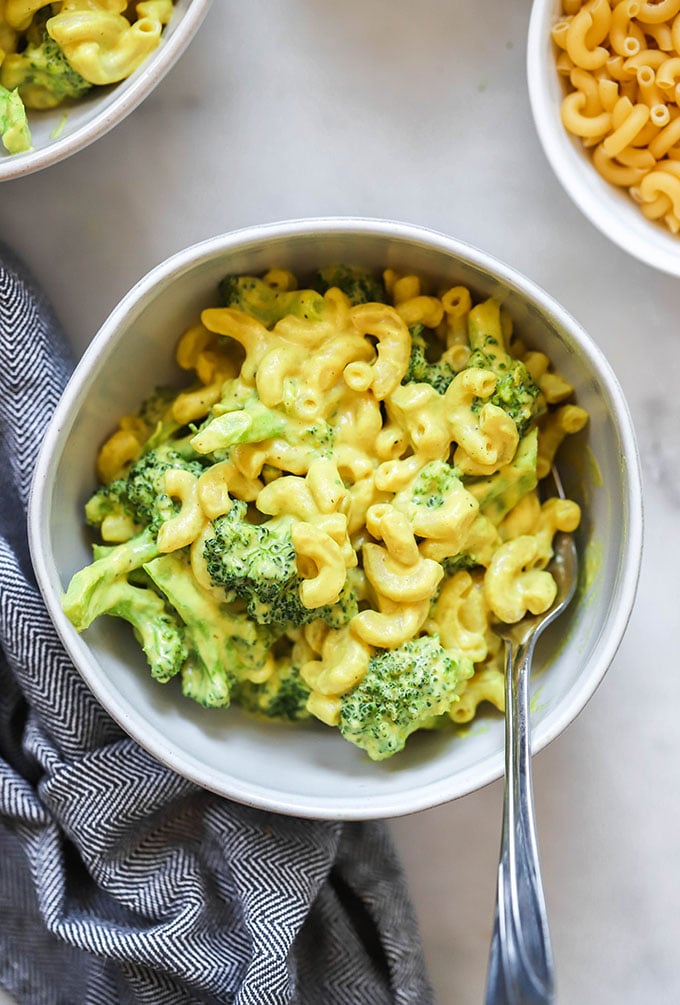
x=359, y=507
x=104, y=47
x=620, y=60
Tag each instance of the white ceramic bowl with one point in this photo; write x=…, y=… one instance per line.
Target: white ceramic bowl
x=309, y=769
x=103, y=107
x=610, y=209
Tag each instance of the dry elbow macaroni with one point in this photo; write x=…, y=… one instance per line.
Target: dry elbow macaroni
x=620, y=60
x=367, y=504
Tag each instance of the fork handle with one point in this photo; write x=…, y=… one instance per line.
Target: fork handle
x=520, y=962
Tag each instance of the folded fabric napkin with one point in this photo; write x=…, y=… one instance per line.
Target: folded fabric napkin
x=121, y=881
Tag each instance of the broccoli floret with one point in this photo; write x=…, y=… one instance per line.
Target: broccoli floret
x=359, y=285
x=420, y=370
x=431, y=499
x=109, y=501
x=41, y=72
x=316, y=440
x=155, y=407
x=251, y=561
x=139, y=498
x=434, y=484
x=137, y=501
x=198, y=685
x=156, y=414
x=267, y=304
x=256, y=563
x=223, y=645
x=286, y=608
x=143, y=488
x=94, y=589
x=282, y=696
x=404, y=690
x=455, y=563
x=155, y=627
x=516, y=392
x=14, y=130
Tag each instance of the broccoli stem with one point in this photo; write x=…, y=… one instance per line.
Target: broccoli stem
x=500, y=492
x=14, y=129
x=90, y=591
x=201, y=617
x=251, y=425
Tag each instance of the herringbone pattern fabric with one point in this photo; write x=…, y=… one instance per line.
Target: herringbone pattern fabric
x=120, y=882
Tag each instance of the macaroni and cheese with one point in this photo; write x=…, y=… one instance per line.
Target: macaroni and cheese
x=327, y=520
x=53, y=53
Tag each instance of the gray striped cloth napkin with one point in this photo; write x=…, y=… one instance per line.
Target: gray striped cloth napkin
x=120, y=881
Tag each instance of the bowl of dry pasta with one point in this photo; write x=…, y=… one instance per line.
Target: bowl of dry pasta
x=604, y=87
x=274, y=546
x=71, y=70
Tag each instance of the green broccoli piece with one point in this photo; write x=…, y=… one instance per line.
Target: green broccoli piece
x=240, y=417
x=516, y=392
x=256, y=563
x=286, y=608
x=359, y=285
x=14, y=130
x=140, y=498
x=145, y=484
x=404, y=689
x=455, y=563
x=251, y=422
x=155, y=627
x=156, y=414
x=198, y=685
x=251, y=561
x=267, y=304
x=223, y=645
x=499, y=493
x=438, y=374
x=141, y=494
x=433, y=484
x=108, y=500
x=42, y=65
x=282, y=696
x=94, y=589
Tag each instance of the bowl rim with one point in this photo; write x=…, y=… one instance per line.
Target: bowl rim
x=130, y=93
x=626, y=227
x=134, y=723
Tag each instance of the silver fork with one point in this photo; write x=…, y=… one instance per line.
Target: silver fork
x=520, y=961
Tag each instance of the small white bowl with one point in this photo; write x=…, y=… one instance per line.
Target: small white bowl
x=103, y=107
x=309, y=770
x=610, y=209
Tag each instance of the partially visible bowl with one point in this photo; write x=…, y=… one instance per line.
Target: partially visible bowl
x=55, y=136
x=611, y=209
x=309, y=770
